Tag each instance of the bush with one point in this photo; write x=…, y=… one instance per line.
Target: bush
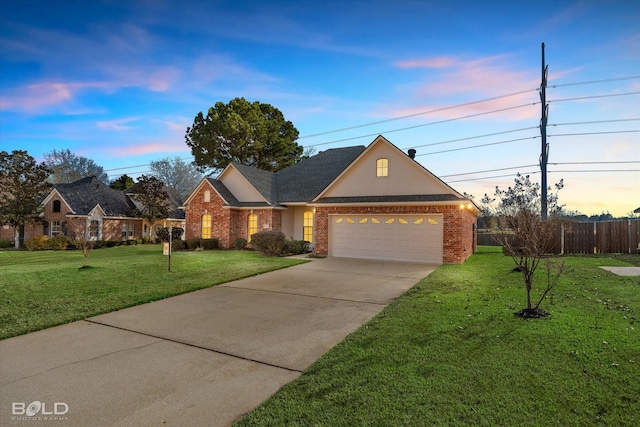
x=270, y=243
x=193, y=243
x=37, y=243
x=177, y=245
x=146, y=240
x=163, y=233
x=112, y=243
x=4, y=244
x=208, y=244
x=295, y=247
x=58, y=243
x=131, y=242
x=240, y=243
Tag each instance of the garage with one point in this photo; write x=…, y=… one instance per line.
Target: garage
x=402, y=237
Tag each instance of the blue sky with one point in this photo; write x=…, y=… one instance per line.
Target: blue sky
x=120, y=81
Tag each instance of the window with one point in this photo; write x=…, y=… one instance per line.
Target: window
x=56, y=205
x=207, y=196
x=382, y=167
x=127, y=230
x=206, y=226
x=56, y=228
x=94, y=230
x=252, y=225
x=307, y=227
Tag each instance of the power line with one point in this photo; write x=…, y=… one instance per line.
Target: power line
x=615, y=79
x=437, y=110
x=597, y=170
x=478, y=146
x=426, y=124
x=580, y=98
x=596, y=133
x=595, y=122
x=472, y=137
x=594, y=163
x=486, y=171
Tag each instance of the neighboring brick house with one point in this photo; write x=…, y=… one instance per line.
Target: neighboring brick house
x=88, y=204
x=364, y=202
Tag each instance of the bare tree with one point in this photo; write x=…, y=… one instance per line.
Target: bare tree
x=526, y=237
x=179, y=176
x=79, y=235
x=68, y=167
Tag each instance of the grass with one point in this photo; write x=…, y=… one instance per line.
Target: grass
x=43, y=289
x=450, y=352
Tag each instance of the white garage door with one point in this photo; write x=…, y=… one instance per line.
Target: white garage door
x=416, y=238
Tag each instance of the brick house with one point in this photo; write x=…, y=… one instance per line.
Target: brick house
x=363, y=202
x=102, y=212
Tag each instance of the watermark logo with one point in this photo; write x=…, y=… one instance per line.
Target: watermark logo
x=38, y=410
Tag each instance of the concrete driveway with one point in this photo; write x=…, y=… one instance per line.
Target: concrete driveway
x=203, y=358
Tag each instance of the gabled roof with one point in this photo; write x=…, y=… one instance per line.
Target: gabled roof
x=83, y=195
x=263, y=181
x=223, y=191
x=303, y=181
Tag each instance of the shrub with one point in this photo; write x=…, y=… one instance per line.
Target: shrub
x=270, y=243
x=146, y=240
x=132, y=242
x=177, y=245
x=240, y=243
x=4, y=244
x=295, y=247
x=193, y=243
x=208, y=244
x=112, y=243
x=58, y=243
x=163, y=233
x=37, y=243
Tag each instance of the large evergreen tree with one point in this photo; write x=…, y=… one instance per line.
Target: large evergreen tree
x=23, y=183
x=252, y=134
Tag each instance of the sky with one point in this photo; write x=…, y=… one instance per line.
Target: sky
x=120, y=81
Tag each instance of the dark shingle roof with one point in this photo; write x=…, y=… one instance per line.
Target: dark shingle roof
x=83, y=195
x=223, y=191
x=174, y=200
x=307, y=178
x=263, y=181
x=301, y=182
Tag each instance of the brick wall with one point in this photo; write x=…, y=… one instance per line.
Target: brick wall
x=221, y=228
x=458, y=226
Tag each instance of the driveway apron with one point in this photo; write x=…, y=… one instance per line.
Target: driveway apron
x=202, y=358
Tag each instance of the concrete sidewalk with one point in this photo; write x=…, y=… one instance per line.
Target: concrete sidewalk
x=203, y=358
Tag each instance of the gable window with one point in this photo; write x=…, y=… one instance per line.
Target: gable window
x=94, y=229
x=127, y=230
x=206, y=226
x=207, y=196
x=307, y=227
x=252, y=225
x=56, y=228
x=56, y=205
x=382, y=167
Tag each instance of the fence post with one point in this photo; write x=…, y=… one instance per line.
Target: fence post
x=595, y=238
x=561, y=239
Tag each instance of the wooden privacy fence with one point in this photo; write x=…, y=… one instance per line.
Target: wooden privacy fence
x=607, y=237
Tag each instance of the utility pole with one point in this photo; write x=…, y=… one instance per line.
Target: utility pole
x=544, y=156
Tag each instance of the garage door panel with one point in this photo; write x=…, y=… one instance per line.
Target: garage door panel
x=415, y=238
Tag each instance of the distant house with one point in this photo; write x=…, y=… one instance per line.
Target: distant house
x=637, y=211
x=104, y=213
x=364, y=202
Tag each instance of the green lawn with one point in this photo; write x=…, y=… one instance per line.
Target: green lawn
x=43, y=289
x=450, y=352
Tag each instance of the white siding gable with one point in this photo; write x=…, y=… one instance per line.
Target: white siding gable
x=240, y=186
x=405, y=176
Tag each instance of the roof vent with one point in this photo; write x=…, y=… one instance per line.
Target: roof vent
x=412, y=153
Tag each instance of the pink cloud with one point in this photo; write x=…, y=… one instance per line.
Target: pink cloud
x=438, y=62
x=148, y=148
x=39, y=96
x=117, y=125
